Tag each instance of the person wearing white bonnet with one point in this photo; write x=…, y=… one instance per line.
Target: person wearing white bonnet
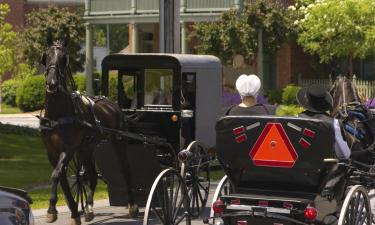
x=248, y=87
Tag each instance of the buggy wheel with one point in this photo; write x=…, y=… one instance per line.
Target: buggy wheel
x=196, y=172
x=356, y=209
x=223, y=188
x=167, y=201
x=78, y=182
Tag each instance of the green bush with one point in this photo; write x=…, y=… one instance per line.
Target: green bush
x=289, y=95
x=112, y=89
x=9, y=91
x=289, y=110
x=80, y=81
x=31, y=93
x=274, y=96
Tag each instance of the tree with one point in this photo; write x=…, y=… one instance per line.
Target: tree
x=237, y=32
x=61, y=21
x=336, y=28
x=7, y=37
x=118, y=36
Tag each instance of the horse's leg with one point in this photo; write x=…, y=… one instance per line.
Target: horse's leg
x=119, y=144
x=89, y=164
x=52, y=212
x=72, y=205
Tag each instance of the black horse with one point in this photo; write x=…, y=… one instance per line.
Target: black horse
x=71, y=128
x=355, y=117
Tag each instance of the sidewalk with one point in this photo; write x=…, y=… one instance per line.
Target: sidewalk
x=64, y=209
x=20, y=119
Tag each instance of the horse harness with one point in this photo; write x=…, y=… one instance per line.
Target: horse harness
x=81, y=117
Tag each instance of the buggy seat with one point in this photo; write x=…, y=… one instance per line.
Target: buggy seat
x=279, y=156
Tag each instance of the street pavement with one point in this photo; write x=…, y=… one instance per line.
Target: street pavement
x=28, y=120
x=109, y=215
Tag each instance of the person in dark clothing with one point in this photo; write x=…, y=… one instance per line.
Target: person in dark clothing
x=317, y=102
x=248, y=87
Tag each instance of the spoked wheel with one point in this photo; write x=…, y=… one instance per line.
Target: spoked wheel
x=223, y=188
x=167, y=201
x=356, y=209
x=196, y=172
x=78, y=182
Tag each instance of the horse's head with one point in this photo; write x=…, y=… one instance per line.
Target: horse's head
x=344, y=93
x=56, y=62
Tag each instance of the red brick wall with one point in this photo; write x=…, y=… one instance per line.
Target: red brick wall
x=292, y=62
x=155, y=38
x=16, y=16
x=284, y=70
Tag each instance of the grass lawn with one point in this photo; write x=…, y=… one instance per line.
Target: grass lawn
x=6, y=109
x=41, y=197
x=24, y=164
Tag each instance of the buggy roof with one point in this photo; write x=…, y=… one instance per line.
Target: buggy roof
x=158, y=60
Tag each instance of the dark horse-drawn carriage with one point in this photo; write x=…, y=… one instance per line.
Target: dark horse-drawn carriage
x=284, y=170
x=151, y=147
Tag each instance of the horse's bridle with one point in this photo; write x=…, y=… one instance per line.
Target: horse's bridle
x=61, y=74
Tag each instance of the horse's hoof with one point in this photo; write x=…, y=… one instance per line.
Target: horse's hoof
x=133, y=211
x=75, y=221
x=51, y=217
x=89, y=213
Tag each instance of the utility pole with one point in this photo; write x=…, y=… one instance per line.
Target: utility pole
x=169, y=26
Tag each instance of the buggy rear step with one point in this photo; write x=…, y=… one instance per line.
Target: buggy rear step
x=244, y=208
x=273, y=204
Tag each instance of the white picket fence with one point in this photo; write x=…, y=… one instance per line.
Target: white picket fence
x=366, y=88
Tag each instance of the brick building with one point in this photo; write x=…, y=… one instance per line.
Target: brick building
x=19, y=8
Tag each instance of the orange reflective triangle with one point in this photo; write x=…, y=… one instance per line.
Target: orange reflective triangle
x=273, y=148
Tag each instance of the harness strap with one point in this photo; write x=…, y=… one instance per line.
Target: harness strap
x=69, y=121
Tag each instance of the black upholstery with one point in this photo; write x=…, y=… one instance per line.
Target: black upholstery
x=236, y=137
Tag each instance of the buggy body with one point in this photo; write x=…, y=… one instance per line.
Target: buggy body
x=283, y=170
x=170, y=104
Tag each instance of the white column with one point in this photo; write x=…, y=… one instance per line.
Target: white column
x=135, y=48
x=89, y=60
x=184, y=44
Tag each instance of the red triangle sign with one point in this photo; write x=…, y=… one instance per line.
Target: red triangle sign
x=273, y=148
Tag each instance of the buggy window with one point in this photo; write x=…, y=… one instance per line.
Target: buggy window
x=127, y=92
x=158, y=87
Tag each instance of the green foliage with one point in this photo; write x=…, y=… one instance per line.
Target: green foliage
x=80, y=81
x=289, y=110
x=24, y=70
x=118, y=36
x=9, y=90
x=61, y=21
x=274, y=96
x=289, y=94
x=336, y=28
x=31, y=93
x=7, y=38
x=113, y=87
x=237, y=33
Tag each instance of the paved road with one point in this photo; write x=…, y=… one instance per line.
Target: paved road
x=107, y=215
x=20, y=120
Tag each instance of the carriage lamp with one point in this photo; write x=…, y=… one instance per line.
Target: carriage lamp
x=218, y=206
x=184, y=155
x=310, y=213
x=174, y=118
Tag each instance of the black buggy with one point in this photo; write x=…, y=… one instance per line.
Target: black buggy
x=170, y=105
x=282, y=170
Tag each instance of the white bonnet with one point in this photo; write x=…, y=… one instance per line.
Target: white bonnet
x=248, y=85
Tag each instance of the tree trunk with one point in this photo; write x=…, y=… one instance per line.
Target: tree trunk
x=351, y=66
